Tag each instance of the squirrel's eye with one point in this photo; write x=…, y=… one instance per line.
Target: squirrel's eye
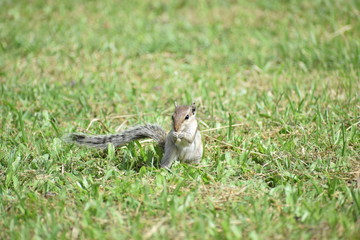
x=187, y=117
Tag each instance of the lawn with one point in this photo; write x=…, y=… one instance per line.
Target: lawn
x=277, y=85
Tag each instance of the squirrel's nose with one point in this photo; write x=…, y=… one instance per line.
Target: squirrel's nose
x=176, y=127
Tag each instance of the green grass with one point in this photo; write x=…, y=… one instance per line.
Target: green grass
x=287, y=71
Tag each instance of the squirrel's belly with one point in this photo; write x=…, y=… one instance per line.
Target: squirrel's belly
x=187, y=152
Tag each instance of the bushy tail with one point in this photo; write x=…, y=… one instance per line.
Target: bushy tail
x=101, y=141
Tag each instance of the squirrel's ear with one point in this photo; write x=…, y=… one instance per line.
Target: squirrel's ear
x=193, y=108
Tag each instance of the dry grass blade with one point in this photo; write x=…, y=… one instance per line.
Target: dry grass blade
x=217, y=128
x=120, y=126
x=203, y=123
x=97, y=120
x=355, y=124
x=339, y=32
x=154, y=229
x=130, y=115
x=230, y=145
x=166, y=111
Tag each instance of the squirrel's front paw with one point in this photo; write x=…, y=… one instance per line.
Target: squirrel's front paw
x=175, y=135
x=178, y=136
x=181, y=135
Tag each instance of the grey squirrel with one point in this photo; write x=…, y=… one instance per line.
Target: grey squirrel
x=182, y=143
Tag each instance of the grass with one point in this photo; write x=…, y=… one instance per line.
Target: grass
x=286, y=71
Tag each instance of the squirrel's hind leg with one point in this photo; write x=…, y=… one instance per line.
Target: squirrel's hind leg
x=170, y=154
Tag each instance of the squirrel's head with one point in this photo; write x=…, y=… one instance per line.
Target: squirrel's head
x=183, y=116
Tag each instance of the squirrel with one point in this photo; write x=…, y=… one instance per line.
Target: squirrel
x=182, y=143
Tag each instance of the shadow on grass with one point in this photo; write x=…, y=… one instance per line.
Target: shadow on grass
x=130, y=157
